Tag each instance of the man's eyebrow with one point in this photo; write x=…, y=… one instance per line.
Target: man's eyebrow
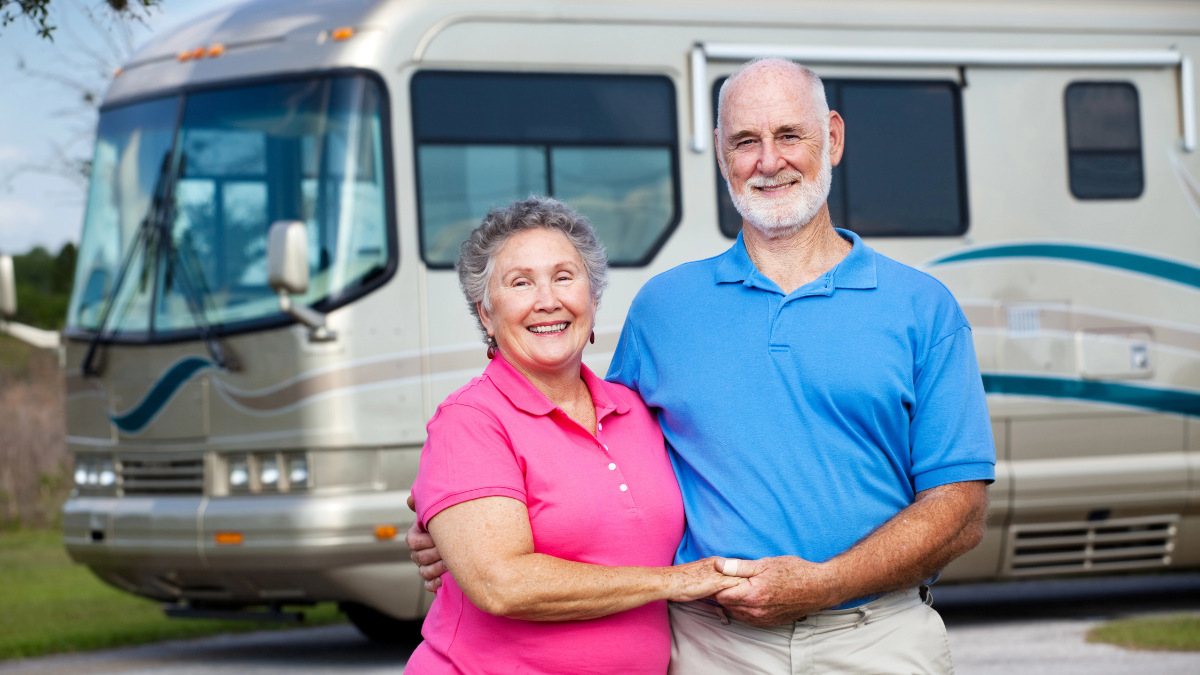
x=741, y=135
x=791, y=129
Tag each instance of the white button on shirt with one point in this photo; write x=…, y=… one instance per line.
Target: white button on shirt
x=612, y=467
x=624, y=487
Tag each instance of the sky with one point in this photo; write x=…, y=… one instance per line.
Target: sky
x=36, y=114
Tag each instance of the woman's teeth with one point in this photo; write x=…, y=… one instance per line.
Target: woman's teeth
x=550, y=328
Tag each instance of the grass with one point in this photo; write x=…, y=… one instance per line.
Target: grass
x=50, y=605
x=1160, y=633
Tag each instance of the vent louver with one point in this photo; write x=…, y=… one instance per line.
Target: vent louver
x=170, y=475
x=1091, y=546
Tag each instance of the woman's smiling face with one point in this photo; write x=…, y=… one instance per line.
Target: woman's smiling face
x=542, y=306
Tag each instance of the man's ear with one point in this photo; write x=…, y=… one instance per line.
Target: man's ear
x=720, y=154
x=837, y=137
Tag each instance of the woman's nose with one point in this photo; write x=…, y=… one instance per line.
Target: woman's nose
x=546, y=299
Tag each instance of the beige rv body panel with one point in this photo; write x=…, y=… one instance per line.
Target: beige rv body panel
x=1078, y=477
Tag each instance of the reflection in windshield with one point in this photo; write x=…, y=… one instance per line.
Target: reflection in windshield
x=243, y=158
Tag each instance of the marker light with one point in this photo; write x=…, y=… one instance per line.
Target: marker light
x=227, y=538
x=108, y=475
x=343, y=33
x=298, y=471
x=268, y=474
x=117, y=72
x=216, y=50
x=239, y=473
x=385, y=532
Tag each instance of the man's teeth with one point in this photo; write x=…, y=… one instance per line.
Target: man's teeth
x=551, y=328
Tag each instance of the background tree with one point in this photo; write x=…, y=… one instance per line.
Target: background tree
x=44, y=286
x=37, y=12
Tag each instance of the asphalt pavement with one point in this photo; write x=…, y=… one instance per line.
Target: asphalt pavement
x=1021, y=628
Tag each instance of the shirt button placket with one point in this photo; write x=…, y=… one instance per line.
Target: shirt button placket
x=622, y=486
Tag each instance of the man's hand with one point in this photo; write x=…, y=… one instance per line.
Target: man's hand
x=941, y=524
x=778, y=590
x=424, y=553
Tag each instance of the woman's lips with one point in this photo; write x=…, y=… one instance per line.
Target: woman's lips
x=548, y=328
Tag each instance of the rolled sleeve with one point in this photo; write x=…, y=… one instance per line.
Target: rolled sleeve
x=626, y=364
x=951, y=432
x=467, y=455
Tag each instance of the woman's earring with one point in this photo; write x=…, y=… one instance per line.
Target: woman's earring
x=593, y=338
x=491, y=352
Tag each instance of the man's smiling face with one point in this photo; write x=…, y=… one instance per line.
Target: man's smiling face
x=777, y=148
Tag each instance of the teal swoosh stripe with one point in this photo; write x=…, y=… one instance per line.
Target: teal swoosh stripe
x=1165, y=400
x=1133, y=262
x=163, y=390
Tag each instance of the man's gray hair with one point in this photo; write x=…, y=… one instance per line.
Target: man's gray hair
x=477, y=255
x=820, y=106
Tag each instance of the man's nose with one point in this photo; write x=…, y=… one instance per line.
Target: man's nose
x=771, y=161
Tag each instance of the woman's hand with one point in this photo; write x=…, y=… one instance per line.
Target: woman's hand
x=424, y=553
x=700, y=579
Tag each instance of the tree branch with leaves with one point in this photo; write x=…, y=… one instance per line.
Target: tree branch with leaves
x=37, y=12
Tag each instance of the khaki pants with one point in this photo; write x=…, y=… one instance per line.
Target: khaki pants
x=898, y=634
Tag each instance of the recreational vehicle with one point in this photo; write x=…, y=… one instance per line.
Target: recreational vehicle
x=265, y=312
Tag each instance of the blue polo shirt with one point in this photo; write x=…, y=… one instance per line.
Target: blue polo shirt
x=798, y=423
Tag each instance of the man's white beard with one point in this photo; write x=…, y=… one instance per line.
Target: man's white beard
x=774, y=216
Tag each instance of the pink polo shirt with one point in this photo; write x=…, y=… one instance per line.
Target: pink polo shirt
x=608, y=499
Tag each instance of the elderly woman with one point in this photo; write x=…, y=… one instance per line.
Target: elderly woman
x=548, y=490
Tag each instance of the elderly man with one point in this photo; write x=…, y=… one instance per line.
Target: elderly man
x=824, y=411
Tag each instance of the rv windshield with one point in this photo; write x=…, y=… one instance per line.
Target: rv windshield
x=238, y=159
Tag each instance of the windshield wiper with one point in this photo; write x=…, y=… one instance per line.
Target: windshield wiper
x=154, y=235
x=179, y=270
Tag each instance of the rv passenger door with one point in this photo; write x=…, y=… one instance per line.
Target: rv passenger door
x=1084, y=337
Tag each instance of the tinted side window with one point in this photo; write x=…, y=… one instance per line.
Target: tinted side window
x=902, y=173
x=1104, y=140
x=605, y=144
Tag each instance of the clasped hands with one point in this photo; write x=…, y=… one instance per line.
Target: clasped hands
x=776, y=590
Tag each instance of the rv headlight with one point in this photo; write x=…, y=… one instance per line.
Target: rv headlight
x=268, y=473
x=239, y=473
x=107, y=473
x=81, y=470
x=298, y=471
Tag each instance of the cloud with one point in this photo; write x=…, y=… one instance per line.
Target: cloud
x=25, y=223
x=11, y=153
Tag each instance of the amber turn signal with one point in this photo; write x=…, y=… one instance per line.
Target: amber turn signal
x=216, y=50
x=227, y=538
x=343, y=33
x=385, y=532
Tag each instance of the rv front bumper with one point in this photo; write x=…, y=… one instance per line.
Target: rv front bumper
x=251, y=549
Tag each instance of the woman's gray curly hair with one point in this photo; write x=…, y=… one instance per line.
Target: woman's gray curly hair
x=477, y=256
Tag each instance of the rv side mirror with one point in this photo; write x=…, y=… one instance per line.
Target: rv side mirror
x=287, y=273
x=287, y=257
x=8, y=288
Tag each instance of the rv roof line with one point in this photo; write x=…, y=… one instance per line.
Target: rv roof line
x=1086, y=58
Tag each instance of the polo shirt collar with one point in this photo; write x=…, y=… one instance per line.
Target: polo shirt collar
x=856, y=270
x=521, y=392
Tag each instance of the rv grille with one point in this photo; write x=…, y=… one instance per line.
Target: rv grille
x=162, y=475
x=1091, y=546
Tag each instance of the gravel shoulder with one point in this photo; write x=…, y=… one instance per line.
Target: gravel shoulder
x=1030, y=628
